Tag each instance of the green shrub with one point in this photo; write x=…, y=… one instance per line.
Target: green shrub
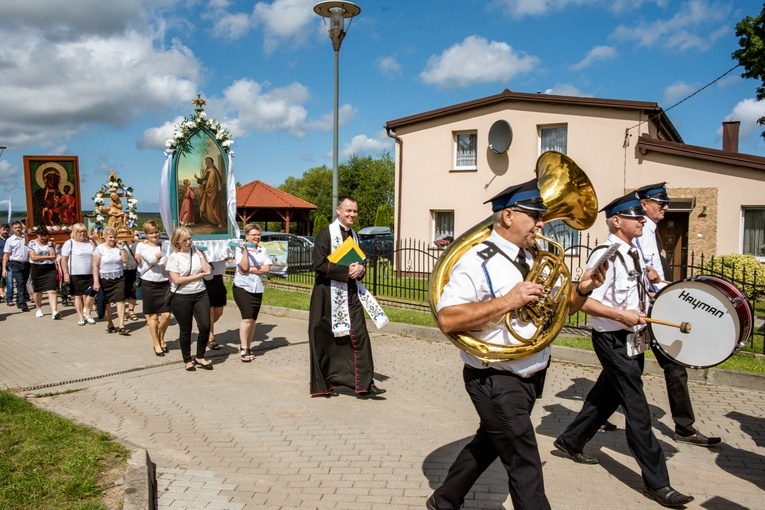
x=744, y=271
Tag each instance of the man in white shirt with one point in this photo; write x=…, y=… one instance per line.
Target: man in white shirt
x=655, y=201
x=16, y=259
x=618, y=309
x=485, y=284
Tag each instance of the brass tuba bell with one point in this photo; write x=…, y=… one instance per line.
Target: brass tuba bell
x=569, y=196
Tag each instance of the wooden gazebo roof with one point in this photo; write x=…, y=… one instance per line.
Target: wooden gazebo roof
x=258, y=202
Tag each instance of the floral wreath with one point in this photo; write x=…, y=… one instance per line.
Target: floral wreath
x=52, y=229
x=183, y=130
x=115, y=183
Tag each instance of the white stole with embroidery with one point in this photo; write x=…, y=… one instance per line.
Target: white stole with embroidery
x=341, y=318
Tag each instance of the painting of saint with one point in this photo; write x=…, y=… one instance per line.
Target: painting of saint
x=52, y=190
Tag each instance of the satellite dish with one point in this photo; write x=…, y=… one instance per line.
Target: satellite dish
x=500, y=137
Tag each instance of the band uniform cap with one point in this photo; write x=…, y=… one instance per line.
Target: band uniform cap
x=524, y=196
x=628, y=205
x=657, y=192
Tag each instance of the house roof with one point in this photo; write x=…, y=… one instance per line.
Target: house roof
x=257, y=194
x=647, y=144
x=652, y=110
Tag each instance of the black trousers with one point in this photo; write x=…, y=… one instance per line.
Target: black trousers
x=504, y=402
x=620, y=383
x=187, y=308
x=20, y=274
x=676, y=377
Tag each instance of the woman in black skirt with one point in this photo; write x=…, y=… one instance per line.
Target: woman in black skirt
x=151, y=256
x=252, y=263
x=42, y=256
x=108, y=262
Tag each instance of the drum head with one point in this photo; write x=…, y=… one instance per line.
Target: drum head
x=715, y=324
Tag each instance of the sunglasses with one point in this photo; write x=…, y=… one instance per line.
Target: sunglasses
x=534, y=215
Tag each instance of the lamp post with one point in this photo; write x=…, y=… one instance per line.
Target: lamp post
x=2, y=148
x=336, y=13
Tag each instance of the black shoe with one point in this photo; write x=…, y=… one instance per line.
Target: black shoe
x=430, y=504
x=374, y=390
x=206, y=366
x=24, y=308
x=160, y=353
x=333, y=393
x=191, y=368
x=667, y=496
x=578, y=457
x=165, y=349
x=608, y=426
x=697, y=439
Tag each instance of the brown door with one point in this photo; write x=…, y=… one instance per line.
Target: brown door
x=674, y=234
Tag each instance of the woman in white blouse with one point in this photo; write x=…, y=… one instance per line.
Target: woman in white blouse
x=77, y=266
x=42, y=257
x=187, y=267
x=252, y=263
x=152, y=257
x=108, y=272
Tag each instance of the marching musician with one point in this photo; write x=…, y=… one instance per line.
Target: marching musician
x=655, y=202
x=487, y=282
x=618, y=310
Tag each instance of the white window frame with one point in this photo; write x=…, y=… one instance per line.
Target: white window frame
x=456, y=144
x=565, y=234
x=434, y=214
x=543, y=148
x=760, y=253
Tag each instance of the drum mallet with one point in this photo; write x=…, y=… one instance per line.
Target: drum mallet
x=685, y=327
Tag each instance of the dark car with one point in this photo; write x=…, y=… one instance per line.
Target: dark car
x=376, y=242
x=298, y=256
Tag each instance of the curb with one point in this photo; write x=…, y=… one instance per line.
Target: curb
x=140, y=482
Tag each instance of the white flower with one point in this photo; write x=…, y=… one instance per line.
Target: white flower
x=202, y=114
x=177, y=135
x=189, y=124
x=210, y=123
x=227, y=143
x=169, y=143
x=99, y=218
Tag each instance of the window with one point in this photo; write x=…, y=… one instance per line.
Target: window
x=754, y=232
x=553, y=139
x=466, y=151
x=443, y=226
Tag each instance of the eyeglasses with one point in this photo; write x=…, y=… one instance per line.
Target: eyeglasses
x=534, y=215
x=661, y=203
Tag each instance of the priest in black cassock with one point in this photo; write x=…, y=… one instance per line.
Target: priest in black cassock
x=341, y=352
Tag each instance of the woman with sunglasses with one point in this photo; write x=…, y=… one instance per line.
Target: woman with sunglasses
x=77, y=266
x=152, y=257
x=109, y=272
x=187, y=267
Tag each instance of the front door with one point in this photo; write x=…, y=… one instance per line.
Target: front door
x=673, y=231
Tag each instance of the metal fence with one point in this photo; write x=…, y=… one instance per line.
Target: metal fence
x=400, y=274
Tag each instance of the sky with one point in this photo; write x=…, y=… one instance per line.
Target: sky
x=106, y=81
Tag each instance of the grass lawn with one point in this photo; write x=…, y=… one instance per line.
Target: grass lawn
x=47, y=462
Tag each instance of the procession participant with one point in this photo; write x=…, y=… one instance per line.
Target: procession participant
x=252, y=263
x=42, y=258
x=77, y=266
x=486, y=283
x=109, y=260
x=618, y=310
x=655, y=202
x=341, y=352
x=16, y=262
x=152, y=256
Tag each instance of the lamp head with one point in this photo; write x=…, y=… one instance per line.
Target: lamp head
x=336, y=12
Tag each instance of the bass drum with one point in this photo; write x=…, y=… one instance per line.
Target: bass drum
x=720, y=316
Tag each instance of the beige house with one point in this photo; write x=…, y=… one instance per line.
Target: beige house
x=447, y=166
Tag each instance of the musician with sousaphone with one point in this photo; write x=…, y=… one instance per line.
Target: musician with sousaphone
x=479, y=299
x=618, y=309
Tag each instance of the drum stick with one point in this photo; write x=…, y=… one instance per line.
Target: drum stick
x=685, y=327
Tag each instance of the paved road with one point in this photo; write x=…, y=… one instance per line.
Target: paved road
x=247, y=436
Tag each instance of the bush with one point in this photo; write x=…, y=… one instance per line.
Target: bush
x=745, y=271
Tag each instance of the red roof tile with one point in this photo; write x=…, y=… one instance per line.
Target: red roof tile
x=260, y=195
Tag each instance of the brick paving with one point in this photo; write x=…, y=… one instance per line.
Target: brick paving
x=247, y=436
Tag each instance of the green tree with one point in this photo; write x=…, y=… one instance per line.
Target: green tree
x=319, y=222
x=751, y=55
x=315, y=186
x=384, y=218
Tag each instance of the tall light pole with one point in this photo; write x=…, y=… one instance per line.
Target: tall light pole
x=336, y=13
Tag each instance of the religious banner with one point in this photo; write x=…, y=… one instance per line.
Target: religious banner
x=53, y=194
x=197, y=187
x=109, y=210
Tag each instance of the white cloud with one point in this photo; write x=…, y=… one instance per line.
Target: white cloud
x=565, y=89
x=676, y=92
x=57, y=81
x=595, y=55
x=326, y=122
x=363, y=145
x=697, y=25
x=522, y=8
x=279, y=109
x=389, y=66
x=285, y=21
x=747, y=112
x=476, y=60
x=10, y=176
x=231, y=26
x=154, y=138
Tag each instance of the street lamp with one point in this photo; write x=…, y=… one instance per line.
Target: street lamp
x=2, y=148
x=336, y=13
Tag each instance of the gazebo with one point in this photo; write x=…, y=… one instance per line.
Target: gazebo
x=259, y=202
